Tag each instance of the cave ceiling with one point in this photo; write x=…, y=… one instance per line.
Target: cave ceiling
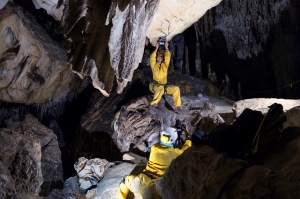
x=105, y=39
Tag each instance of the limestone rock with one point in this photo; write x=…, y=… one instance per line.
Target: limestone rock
x=261, y=104
x=87, y=41
x=53, y=7
x=133, y=124
x=200, y=173
x=134, y=158
x=33, y=66
x=90, y=172
x=134, y=17
x=293, y=116
x=30, y=160
x=174, y=16
x=107, y=188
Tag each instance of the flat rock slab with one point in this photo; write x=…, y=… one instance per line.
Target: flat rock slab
x=107, y=188
x=261, y=104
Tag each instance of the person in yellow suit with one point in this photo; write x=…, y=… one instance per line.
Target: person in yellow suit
x=159, y=62
x=161, y=156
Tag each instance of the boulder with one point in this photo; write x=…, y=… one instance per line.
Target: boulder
x=107, y=188
x=33, y=65
x=30, y=160
x=261, y=104
x=134, y=124
x=71, y=190
x=201, y=173
x=293, y=116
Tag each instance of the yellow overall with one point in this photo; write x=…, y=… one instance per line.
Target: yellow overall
x=160, y=72
x=160, y=159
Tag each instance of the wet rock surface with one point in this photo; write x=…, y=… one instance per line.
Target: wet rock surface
x=30, y=159
x=201, y=173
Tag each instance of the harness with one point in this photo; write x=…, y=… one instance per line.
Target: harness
x=166, y=85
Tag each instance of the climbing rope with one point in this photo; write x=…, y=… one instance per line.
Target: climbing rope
x=289, y=85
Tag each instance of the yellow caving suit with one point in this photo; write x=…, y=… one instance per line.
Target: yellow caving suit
x=160, y=72
x=160, y=159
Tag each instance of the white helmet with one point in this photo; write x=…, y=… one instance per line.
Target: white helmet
x=168, y=136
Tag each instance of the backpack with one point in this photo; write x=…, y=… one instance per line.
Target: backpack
x=269, y=131
x=236, y=140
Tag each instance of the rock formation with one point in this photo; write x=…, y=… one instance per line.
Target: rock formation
x=30, y=160
x=256, y=43
x=33, y=66
x=53, y=7
x=113, y=45
x=261, y=104
x=134, y=124
x=173, y=17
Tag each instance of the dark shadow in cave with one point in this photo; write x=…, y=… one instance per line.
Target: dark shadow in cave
x=69, y=123
x=95, y=145
x=15, y=112
x=137, y=89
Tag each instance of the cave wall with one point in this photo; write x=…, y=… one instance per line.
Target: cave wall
x=255, y=43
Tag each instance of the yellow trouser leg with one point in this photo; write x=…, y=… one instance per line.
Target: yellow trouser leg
x=122, y=192
x=175, y=92
x=158, y=93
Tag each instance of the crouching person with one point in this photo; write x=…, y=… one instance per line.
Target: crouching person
x=161, y=156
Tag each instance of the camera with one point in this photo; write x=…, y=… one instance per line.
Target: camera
x=161, y=41
x=178, y=126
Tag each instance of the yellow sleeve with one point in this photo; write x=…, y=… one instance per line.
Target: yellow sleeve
x=167, y=58
x=187, y=144
x=153, y=59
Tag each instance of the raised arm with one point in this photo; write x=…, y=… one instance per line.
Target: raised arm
x=153, y=56
x=167, y=57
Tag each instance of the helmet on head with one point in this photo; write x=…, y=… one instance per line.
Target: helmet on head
x=168, y=136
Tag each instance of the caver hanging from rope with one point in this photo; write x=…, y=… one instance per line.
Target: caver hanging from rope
x=159, y=62
x=161, y=156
